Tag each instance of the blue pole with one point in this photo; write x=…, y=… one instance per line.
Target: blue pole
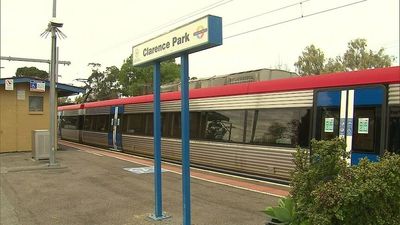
x=157, y=142
x=185, y=139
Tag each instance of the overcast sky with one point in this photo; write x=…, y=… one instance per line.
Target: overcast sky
x=105, y=31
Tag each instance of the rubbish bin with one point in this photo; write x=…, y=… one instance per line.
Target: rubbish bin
x=40, y=144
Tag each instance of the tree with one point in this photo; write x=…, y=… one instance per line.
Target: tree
x=64, y=101
x=334, y=65
x=32, y=72
x=311, y=61
x=356, y=57
x=139, y=80
x=102, y=85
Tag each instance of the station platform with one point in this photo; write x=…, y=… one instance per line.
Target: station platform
x=95, y=186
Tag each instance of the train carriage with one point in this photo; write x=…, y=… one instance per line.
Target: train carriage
x=70, y=125
x=252, y=129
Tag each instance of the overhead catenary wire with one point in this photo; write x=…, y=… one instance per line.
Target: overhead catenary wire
x=265, y=13
x=192, y=14
x=293, y=19
x=223, y=2
x=204, y=9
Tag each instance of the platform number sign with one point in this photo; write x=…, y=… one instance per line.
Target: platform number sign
x=9, y=84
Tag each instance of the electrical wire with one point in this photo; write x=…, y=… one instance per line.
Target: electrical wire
x=265, y=13
x=191, y=14
x=293, y=19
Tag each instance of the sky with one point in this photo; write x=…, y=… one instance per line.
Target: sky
x=105, y=31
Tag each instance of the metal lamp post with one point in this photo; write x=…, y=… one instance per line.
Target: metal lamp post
x=53, y=28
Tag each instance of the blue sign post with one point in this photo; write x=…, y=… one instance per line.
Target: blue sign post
x=158, y=213
x=185, y=139
x=198, y=35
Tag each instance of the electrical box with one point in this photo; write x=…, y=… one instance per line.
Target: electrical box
x=40, y=144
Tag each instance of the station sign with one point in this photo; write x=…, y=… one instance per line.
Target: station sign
x=37, y=86
x=198, y=35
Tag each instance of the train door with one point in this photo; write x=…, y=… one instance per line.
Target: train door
x=355, y=115
x=115, y=134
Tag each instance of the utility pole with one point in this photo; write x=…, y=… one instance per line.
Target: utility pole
x=53, y=28
x=53, y=103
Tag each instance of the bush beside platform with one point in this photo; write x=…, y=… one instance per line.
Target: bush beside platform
x=326, y=191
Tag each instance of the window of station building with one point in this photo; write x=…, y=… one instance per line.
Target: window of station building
x=134, y=124
x=70, y=122
x=394, y=129
x=35, y=103
x=280, y=127
x=225, y=125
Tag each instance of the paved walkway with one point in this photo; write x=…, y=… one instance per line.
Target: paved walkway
x=91, y=187
x=223, y=179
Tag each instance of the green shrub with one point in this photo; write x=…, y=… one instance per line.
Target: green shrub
x=328, y=192
x=284, y=213
x=327, y=161
x=373, y=196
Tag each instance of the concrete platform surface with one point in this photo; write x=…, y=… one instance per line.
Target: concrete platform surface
x=90, y=188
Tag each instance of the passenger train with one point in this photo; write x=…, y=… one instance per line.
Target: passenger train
x=252, y=129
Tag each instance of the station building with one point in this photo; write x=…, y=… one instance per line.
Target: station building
x=24, y=107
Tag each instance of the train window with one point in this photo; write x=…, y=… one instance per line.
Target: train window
x=328, y=125
x=249, y=130
x=134, y=124
x=264, y=127
x=70, y=122
x=87, y=124
x=280, y=127
x=149, y=124
x=225, y=125
x=366, y=129
x=367, y=121
x=195, y=125
x=176, y=125
x=394, y=129
x=175, y=120
x=166, y=124
x=101, y=123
